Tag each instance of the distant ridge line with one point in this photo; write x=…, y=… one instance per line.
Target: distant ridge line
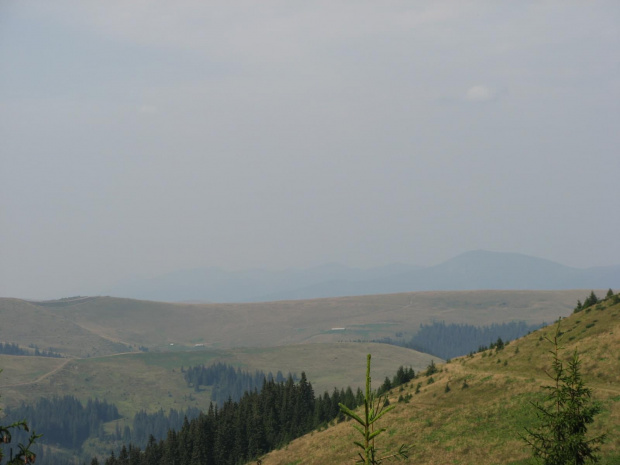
x=475, y=270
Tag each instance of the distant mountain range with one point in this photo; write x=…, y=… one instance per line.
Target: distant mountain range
x=470, y=271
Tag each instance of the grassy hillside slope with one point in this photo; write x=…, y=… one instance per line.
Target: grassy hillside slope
x=480, y=424
x=152, y=381
x=27, y=323
x=107, y=325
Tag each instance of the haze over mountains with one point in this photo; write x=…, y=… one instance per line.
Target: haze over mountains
x=469, y=271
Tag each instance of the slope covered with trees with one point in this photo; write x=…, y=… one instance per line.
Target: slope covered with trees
x=65, y=420
x=239, y=431
x=244, y=430
x=453, y=340
x=227, y=382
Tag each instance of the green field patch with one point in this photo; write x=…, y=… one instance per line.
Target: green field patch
x=371, y=328
x=172, y=360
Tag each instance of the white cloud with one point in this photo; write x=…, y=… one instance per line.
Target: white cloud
x=480, y=93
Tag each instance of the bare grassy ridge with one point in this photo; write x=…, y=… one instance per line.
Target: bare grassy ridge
x=26, y=323
x=480, y=424
x=107, y=325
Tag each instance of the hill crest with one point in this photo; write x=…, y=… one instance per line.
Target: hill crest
x=106, y=325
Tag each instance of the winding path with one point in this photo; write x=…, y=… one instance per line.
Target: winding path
x=40, y=378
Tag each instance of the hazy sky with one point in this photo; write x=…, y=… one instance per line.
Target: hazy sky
x=141, y=137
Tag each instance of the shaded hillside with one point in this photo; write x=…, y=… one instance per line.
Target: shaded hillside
x=105, y=325
x=479, y=418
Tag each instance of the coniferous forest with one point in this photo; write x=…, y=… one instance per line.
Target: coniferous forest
x=240, y=431
x=65, y=420
x=453, y=340
x=227, y=381
x=146, y=425
x=264, y=418
x=14, y=349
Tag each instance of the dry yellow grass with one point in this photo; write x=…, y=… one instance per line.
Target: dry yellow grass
x=480, y=424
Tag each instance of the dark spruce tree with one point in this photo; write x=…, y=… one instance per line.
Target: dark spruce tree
x=561, y=438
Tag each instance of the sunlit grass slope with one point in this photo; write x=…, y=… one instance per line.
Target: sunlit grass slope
x=481, y=423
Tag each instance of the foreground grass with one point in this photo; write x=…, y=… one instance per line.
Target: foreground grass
x=480, y=424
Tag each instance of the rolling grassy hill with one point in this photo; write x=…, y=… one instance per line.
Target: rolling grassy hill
x=107, y=325
x=285, y=336
x=27, y=323
x=480, y=424
x=151, y=381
